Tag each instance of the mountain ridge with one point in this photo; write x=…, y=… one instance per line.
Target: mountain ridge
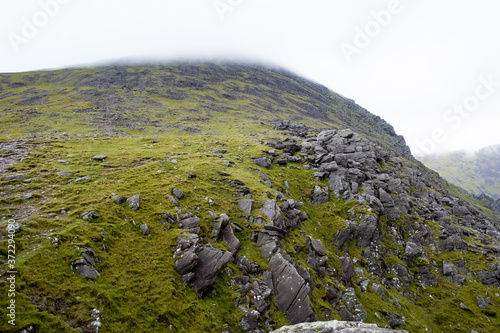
x=228, y=198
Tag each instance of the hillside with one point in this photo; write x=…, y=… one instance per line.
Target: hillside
x=478, y=173
x=226, y=198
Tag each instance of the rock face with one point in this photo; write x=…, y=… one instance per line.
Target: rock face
x=293, y=291
x=335, y=326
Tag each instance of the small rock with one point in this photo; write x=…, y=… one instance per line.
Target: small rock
x=63, y=173
x=118, y=199
x=464, y=307
x=63, y=161
x=134, y=201
x=191, y=175
x=82, y=179
x=179, y=194
x=172, y=199
x=99, y=158
x=91, y=215
x=145, y=229
x=15, y=226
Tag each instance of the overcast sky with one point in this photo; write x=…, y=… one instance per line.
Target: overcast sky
x=429, y=68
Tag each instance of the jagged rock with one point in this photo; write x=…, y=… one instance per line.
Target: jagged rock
x=293, y=291
x=481, y=303
x=400, y=270
x=172, y=199
x=395, y=320
x=15, y=226
x=99, y=158
x=317, y=256
x=412, y=251
x=319, y=195
x=347, y=270
x=118, y=199
x=250, y=320
x=365, y=230
x=186, y=262
x=145, y=229
x=464, y=307
x=449, y=269
x=91, y=215
x=246, y=205
x=386, y=198
x=87, y=272
x=264, y=162
x=230, y=239
x=246, y=266
x=134, y=201
x=63, y=173
x=211, y=262
x=179, y=194
x=271, y=210
x=343, y=235
x=191, y=223
x=186, y=240
x=378, y=289
x=14, y=178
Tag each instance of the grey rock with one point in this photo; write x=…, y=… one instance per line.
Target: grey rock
x=99, y=158
x=14, y=226
x=145, y=229
x=292, y=290
x=172, y=199
x=14, y=178
x=365, y=230
x=118, y=199
x=230, y=239
x=134, y=202
x=246, y=205
x=179, y=194
x=412, y=251
x=481, y=303
x=63, y=173
x=449, y=268
x=347, y=270
x=211, y=262
x=91, y=215
x=464, y=307
x=82, y=179
x=264, y=162
x=186, y=263
x=250, y=320
x=87, y=272
x=335, y=326
x=319, y=195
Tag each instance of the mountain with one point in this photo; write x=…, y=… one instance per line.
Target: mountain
x=226, y=197
x=478, y=173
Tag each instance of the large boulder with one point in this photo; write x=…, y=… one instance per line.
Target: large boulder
x=335, y=326
x=264, y=162
x=292, y=290
x=246, y=205
x=211, y=262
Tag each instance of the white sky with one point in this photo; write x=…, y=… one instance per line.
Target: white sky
x=411, y=67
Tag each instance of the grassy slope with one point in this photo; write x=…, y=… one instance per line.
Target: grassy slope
x=138, y=289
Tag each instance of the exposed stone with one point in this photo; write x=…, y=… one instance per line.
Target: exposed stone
x=293, y=291
x=335, y=326
x=186, y=262
x=14, y=178
x=118, y=199
x=211, y=262
x=99, y=158
x=179, y=194
x=145, y=229
x=89, y=215
x=134, y=202
x=246, y=205
x=319, y=195
x=63, y=173
x=250, y=320
x=264, y=162
x=230, y=239
x=82, y=179
x=365, y=230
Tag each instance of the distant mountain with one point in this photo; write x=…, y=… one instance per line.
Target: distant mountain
x=478, y=173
